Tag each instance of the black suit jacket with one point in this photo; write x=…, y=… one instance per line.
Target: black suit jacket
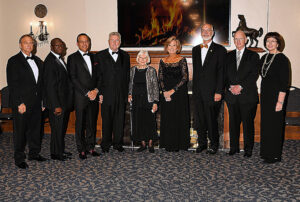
x=209, y=78
x=246, y=76
x=114, y=75
x=57, y=84
x=81, y=78
x=21, y=82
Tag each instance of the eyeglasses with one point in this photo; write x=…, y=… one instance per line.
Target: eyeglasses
x=271, y=41
x=60, y=46
x=206, y=30
x=239, y=39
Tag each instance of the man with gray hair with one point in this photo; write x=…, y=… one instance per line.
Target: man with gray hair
x=113, y=66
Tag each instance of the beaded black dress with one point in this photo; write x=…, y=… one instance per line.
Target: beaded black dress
x=275, y=79
x=175, y=124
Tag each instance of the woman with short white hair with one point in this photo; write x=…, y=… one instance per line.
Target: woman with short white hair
x=144, y=96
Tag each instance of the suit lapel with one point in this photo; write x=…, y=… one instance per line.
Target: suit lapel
x=27, y=66
x=209, y=54
x=243, y=59
x=58, y=62
x=81, y=59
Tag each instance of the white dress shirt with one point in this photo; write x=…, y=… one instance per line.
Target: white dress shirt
x=204, y=52
x=60, y=60
x=33, y=66
x=87, y=60
x=242, y=52
x=114, y=56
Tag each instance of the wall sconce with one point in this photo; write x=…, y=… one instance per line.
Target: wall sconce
x=42, y=33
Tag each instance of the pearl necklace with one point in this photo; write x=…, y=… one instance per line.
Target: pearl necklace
x=268, y=65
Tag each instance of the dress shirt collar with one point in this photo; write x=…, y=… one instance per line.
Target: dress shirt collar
x=208, y=44
x=26, y=55
x=56, y=55
x=242, y=51
x=110, y=51
x=81, y=52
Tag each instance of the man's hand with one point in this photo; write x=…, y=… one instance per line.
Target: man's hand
x=57, y=111
x=217, y=97
x=278, y=106
x=92, y=94
x=235, y=89
x=101, y=99
x=22, y=108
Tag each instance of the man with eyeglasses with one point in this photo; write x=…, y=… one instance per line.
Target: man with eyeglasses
x=208, y=86
x=58, y=98
x=241, y=93
x=86, y=84
x=113, y=66
x=24, y=78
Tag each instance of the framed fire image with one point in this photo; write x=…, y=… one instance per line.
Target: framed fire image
x=148, y=23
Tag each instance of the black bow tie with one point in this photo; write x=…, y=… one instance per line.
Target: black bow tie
x=115, y=52
x=86, y=54
x=29, y=58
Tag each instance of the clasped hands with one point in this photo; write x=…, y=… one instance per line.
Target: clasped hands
x=92, y=94
x=154, y=106
x=167, y=95
x=235, y=89
x=22, y=108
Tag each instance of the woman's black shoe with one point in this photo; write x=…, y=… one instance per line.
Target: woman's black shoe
x=151, y=149
x=272, y=160
x=142, y=148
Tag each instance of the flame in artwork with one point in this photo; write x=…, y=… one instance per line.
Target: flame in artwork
x=165, y=18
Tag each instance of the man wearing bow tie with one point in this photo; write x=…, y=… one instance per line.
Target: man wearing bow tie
x=241, y=93
x=208, y=86
x=24, y=78
x=58, y=98
x=113, y=66
x=86, y=95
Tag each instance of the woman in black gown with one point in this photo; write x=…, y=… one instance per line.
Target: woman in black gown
x=173, y=77
x=275, y=82
x=144, y=95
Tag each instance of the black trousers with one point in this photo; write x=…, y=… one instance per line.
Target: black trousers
x=85, y=127
x=241, y=113
x=59, y=126
x=112, y=124
x=206, y=122
x=27, y=128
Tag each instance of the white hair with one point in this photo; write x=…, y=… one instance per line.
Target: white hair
x=143, y=52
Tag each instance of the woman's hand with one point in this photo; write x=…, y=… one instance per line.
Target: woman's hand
x=278, y=106
x=129, y=98
x=167, y=94
x=154, y=108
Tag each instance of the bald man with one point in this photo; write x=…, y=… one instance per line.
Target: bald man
x=241, y=93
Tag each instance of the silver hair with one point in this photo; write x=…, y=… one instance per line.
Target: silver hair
x=143, y=52
x=114, y=34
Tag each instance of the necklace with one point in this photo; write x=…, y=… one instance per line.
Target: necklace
x=264, y=71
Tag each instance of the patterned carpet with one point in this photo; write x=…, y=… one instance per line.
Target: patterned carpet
x=162, y=176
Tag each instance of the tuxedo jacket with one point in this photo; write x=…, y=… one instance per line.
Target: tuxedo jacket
x=57, y=84
x=208, y=78
x=22, y=85
x=114, y=75
x=81, y=78
x=245, y=76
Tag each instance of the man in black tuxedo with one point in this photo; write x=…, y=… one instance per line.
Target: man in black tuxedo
x=24, y=78
x=58, y=97
x=113, y=65
x=86, y=88
x=208, y=86
x=241, y=93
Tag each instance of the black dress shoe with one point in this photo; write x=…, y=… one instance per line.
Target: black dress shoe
x=272, y=160
x=211, y=151
x=105, y=150
x=58, y=157
x=151, y=149
x=67, y=153
x=201, y=149
x=94, y=153
x=232, y=152
x=37, y=158
x=119, y=148
x=22, y=165
x=141, y=148
x=247, y=154
x=82, y=156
